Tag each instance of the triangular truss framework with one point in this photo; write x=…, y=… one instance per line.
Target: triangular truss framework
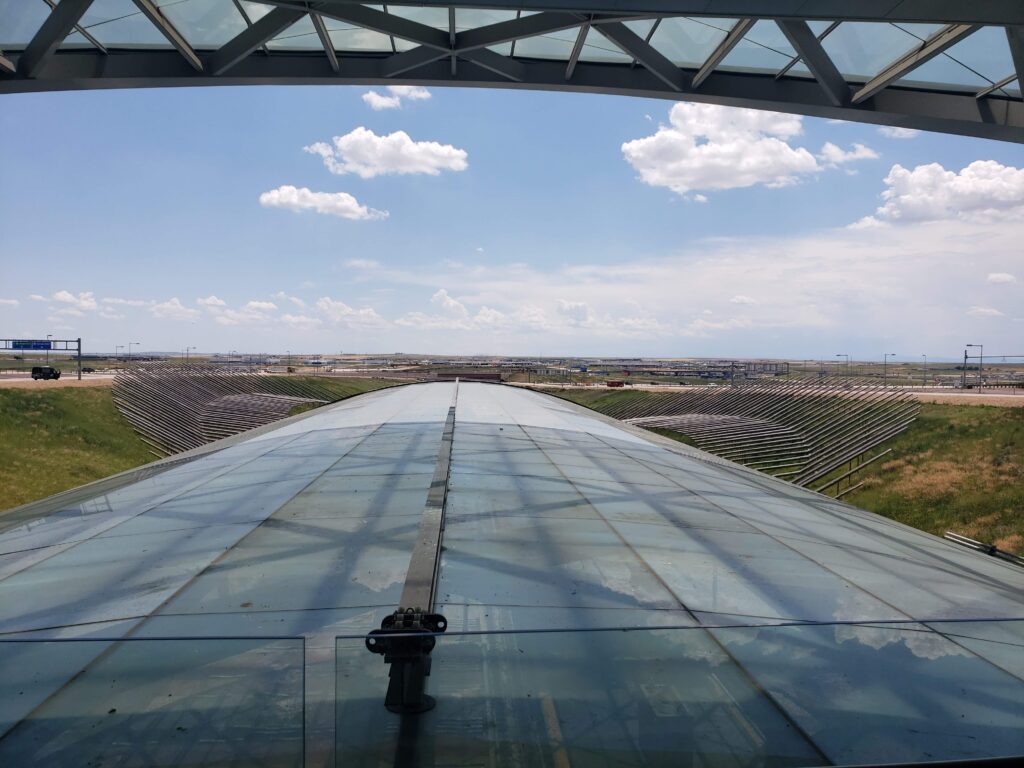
x=418, y=53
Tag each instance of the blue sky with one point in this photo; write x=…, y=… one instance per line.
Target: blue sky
x=516, y=223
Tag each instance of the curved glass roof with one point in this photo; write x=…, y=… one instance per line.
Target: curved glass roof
x=609, y=593
x=967, y=65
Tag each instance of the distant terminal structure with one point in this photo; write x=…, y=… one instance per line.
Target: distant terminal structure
x=800, y=430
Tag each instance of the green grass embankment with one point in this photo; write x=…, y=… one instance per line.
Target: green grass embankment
x=957, y=468
x=55, y=439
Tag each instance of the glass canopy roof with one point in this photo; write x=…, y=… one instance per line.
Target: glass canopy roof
x=611, y=596
x=853, y=59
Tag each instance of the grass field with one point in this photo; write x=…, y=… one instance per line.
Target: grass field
x=52, y=440
x=55, y=439
x=957, y=468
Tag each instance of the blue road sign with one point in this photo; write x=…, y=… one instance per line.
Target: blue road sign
x=31, y=344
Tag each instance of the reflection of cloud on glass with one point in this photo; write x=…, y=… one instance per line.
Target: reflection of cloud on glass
x=923, y=643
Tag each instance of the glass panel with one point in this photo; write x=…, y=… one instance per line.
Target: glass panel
x=152, y=702
x=974, y=63
x=557, y=45
x=505, y=49
x=689, y=42
x=255, y=11
x=471, y=18
x=356, y=38
x=863, y=49
x=597, y=47
x=75, y=40
x=299, y=36
x=944, y=72
x=817, y=27
x=19, y=21
x=119, y=23
x=432, y=17
x=651, y=698
x=733, y=696
x=642, y=27
x=204, y=23
x=763, y=49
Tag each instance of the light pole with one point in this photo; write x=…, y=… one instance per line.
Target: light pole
x=924, y=376
x=885, y=367
x=48, y=337
x=117, y=353
x=981, y=363
x=186, y=353
x=842, y=354
x=130, y=345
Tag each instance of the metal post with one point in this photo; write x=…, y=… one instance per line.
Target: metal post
x=924, y=376
x=79, y=358
x=963, y=373
x=48, y=342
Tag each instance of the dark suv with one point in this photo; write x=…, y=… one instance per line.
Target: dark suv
x=45, y=372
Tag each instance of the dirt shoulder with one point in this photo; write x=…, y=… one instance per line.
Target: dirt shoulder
x=975, y=398
x=61, y=383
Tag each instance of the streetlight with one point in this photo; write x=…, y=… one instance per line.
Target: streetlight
x=981, y=364
x=186, y=354
x=924, y=376
x=130, y=345
x=48, y=337
x=842, y=354
x=885, y=367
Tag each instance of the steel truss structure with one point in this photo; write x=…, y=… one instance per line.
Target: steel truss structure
x=936, y=65
x=802, y=430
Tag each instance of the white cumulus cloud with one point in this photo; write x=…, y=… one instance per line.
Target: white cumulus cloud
x=742, y=300
x=833, y=156
x=893, y=132
x=984, y=190
x=367, y=155
x=448, y=305
x=340, y=313
x=9, y=302
x=301, y=322
x=82, y=301
x=984, y=312
x=394, y=97
x=211, y=301
x=173, y=309
x=1001, y=277
x=706, y=146
x=330, y=203
x=113, y=301
x=261, y=306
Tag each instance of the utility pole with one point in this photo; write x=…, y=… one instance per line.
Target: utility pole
x=963, y=372
x=79, y=357
x=48, y=343
x=924, y=376
x=885, y=367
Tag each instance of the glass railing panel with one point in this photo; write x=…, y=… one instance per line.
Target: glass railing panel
x=159, y=702
x=728, y=695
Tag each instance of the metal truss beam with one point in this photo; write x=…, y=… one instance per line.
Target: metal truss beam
x=55, y=27
x=385, y=23
x=399, y=63
x=950, y=36
x=824, y=70
x=516, y=29
x=995, y=86
x=247, y=41
x=325, y=40
x=508, y=68
x=81, y=30
x=180, y=44
x=740, y=28
x=1001, y=119
x=1000, y=12
x=1015, y=37
x=6, y=65
x=577, y=49
x=793, y=62
x=656, y=62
